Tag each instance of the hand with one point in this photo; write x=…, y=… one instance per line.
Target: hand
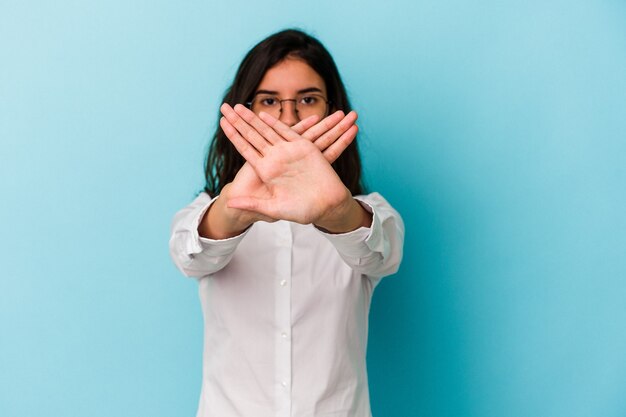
x=332, y=135
x=298, y=182
x=222, y=221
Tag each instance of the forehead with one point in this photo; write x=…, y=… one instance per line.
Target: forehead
x=290, y=76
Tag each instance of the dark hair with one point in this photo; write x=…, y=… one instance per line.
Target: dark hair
x=223, y=161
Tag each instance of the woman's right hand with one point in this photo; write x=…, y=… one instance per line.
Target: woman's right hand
x=222, y=222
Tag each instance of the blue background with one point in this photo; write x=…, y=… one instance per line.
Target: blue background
x=498, y=131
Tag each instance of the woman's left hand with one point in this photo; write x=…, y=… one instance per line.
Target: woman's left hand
x=300, y=184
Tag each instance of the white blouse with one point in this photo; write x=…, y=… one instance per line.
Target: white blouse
x=285, y=311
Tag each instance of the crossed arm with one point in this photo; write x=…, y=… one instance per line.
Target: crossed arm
x=287, y=175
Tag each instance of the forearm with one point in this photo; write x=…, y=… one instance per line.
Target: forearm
x=193, y=254
x=221, y=222
x=347, y=217
x=375, y=251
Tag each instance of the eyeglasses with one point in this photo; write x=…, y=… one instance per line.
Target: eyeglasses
x=306, y=104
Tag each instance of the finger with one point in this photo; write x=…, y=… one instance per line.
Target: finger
x=335, y=133
x=257, y=124
x=324, y=126
x=246, y=131
x=279, y=127
x=244, y=147
x=333, y=151
x=304, y=125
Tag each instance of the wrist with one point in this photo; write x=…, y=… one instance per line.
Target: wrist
x=221, y=222
x=348, y=216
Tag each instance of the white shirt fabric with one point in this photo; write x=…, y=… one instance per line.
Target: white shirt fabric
x=285, y=311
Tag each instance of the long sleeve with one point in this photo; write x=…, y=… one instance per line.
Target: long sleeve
x=375, y=251
x=196, y=256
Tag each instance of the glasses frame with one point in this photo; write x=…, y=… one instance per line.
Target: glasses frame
x=295, y=103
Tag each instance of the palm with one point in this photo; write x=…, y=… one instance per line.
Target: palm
x=297, y=184
x=247, y=184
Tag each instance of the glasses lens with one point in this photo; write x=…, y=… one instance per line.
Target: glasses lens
x=305, y=105
x=310, y=105
x=266, y=103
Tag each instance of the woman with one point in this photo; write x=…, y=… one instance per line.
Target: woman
x=286, y=247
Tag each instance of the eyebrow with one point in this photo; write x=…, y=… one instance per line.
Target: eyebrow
x=305, y=90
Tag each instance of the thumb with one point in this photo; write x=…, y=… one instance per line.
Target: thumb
x=253, y=204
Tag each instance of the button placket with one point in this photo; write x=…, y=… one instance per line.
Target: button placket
x=283, y=364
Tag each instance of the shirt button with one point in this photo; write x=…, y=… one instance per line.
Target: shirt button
x=284, y=383
x=284, y=335
x=283, y=282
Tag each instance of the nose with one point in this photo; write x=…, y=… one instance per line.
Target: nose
x=288, y=113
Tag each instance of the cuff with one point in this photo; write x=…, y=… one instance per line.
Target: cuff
x=212, y=247
x=360, y=242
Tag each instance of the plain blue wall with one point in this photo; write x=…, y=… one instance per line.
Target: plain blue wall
x=497, y=130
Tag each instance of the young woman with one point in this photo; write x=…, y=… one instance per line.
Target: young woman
x=286, y=247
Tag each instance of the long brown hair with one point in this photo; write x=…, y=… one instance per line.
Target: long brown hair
x=223, y=161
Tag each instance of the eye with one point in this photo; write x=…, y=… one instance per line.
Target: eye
x=308, y=100
x=268, y=101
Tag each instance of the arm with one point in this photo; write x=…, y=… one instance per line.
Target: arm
x=196, y=256
x=375, y=251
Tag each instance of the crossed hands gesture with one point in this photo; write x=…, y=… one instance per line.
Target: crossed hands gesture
x=287, y=175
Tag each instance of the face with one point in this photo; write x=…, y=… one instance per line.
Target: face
x=293, y=86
